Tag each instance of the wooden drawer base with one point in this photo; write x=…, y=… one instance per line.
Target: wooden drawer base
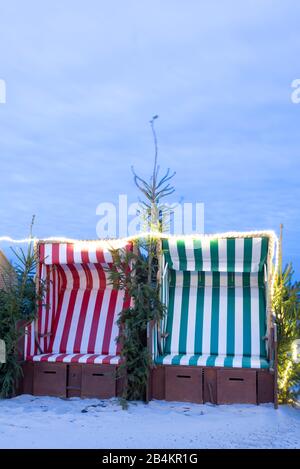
x=50, y=379
x=98, y=381
x=212, y=384
x=173, y=383
x=158, y=383
x=25, y=383
x=265, y=387
x=74, y=380
x=236, y=386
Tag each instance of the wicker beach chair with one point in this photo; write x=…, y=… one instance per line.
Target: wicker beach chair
x=216, y=342
x=71, y=348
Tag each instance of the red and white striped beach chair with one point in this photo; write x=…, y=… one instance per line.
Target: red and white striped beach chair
x=72, y=345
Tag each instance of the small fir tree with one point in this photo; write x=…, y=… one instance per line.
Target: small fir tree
x=18, y=307
x=286, y=306
x=136, y=274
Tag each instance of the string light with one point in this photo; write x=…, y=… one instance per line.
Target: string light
x=120, y=242
x=228, y=234
x=155, y=234
x=8, y=239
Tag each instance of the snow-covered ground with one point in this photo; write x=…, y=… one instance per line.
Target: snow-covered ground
x=49, y=422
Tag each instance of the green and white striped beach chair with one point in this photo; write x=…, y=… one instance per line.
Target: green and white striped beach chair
x=218, y=295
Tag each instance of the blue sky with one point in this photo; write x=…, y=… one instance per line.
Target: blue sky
x=84, y=78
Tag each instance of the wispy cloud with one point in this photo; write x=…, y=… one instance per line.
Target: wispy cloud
x=84, y=79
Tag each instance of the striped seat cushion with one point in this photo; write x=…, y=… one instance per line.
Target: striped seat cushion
x=217, y=317
x=77, y=358
x=213, y=360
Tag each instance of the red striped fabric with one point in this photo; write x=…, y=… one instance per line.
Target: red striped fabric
x=29, y=348
x=88, y=309
x=37, y=333
x=84, y=308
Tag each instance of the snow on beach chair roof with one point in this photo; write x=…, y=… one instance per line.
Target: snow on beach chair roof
x=227, y=252
x=79, y=252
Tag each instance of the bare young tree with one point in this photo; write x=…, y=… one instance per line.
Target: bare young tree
x=153, y=210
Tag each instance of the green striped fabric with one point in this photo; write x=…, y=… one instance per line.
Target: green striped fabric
x=212, y=360
x=216, y=318
x=216, y=255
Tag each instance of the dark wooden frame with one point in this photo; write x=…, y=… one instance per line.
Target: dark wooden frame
x=216, y=385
